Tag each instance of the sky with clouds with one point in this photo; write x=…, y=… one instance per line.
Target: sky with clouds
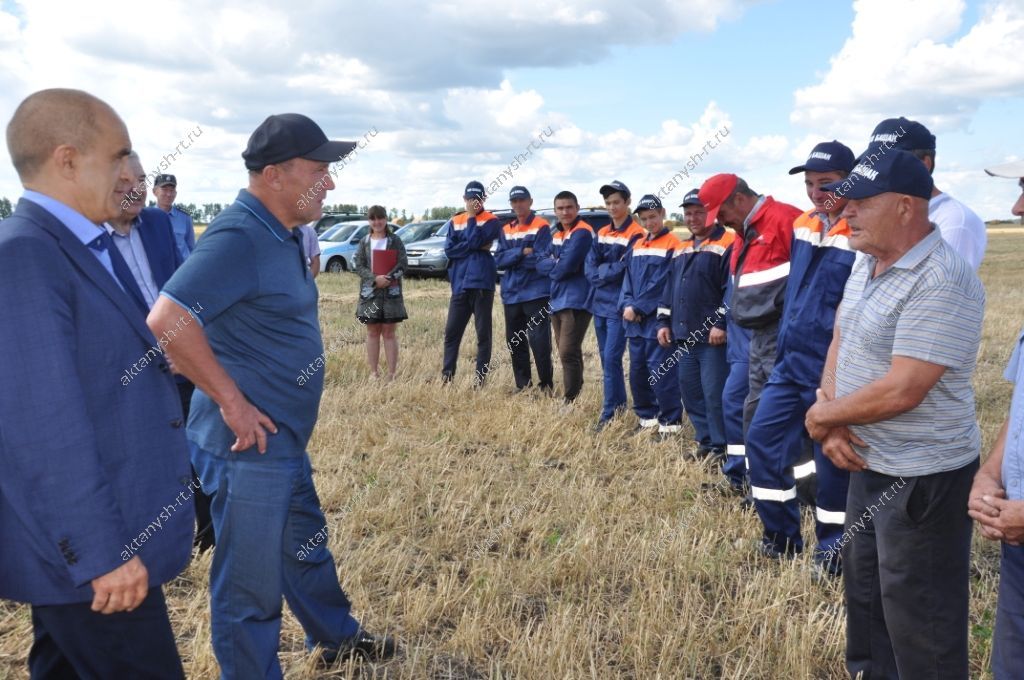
x=455, y=89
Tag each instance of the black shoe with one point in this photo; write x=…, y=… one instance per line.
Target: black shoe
x=599, y=425
x=747, y=503
x=363, y=645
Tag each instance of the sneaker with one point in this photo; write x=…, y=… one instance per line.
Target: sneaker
x=363, y=645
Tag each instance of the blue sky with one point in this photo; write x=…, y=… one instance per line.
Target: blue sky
x=456, y=89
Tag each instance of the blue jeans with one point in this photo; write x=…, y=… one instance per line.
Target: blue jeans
x=1008, y=640
x=611, y=345
x=702, y=374
x=271, y=542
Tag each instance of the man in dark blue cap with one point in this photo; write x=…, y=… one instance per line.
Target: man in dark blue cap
x=251, y=417
x=605, y=268
x=820, y=261
x=526, y=292
x=899, y=415
x=473, y=275
x=959, y=225
x=692, y=317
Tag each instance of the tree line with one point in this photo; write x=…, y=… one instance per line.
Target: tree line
x=204, y=214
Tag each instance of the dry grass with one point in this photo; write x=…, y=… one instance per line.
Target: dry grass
x=601, y=556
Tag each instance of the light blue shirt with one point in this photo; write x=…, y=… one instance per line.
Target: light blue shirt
x=1013, y=454
x=184, y=232
x=134, y=254
x=79, y=225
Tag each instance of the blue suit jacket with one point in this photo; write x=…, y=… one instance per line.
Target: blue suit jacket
x=94, y=461
x=158, y=239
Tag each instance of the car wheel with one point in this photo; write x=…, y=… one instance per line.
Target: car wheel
x=336, y=265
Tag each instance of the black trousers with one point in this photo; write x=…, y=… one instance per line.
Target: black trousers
x=474, y=303
x=204, y=521
x=72, y=642
x=906, y=569
x=528, y=327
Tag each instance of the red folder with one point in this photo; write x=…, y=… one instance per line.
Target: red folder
x=383, y=261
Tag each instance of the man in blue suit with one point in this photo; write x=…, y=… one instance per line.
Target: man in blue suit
x=145, y=238
x=94, y=511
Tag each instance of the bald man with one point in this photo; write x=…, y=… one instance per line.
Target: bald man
x=95, y=511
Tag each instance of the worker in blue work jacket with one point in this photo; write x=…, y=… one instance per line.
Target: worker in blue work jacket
x=820, y=263
x=562, y=262
x=525, y=291
x=692, y=317
x=605, y=268
x=653, y=368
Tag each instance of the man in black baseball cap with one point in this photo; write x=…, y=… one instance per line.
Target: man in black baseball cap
x=960, y=226
x=285, y=136
x=250, y=287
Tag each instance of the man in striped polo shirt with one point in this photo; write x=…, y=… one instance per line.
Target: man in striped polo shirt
x=898, y=413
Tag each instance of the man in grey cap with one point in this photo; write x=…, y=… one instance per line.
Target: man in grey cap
x=959, y=225
x=165, y=189
x=997, y=498
x=250, y=288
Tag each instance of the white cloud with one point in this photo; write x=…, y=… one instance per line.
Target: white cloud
x=897, y=63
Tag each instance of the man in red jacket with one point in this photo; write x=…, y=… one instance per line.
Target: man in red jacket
x=760, y=268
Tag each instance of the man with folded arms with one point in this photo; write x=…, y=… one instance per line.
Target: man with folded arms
x=251, y=418
x=900, y=417
x=525, y=292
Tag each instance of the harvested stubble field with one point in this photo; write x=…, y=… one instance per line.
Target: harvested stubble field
x=498, y=538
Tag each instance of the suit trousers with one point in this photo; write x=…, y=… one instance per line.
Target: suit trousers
x=71, y=641
x=204, y=522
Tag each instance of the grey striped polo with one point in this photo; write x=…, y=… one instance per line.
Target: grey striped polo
x=928, y=306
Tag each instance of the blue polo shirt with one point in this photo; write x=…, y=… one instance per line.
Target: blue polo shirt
x=1013, y=454
x=247, y=283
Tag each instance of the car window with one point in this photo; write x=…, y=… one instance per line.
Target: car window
x=342, y=233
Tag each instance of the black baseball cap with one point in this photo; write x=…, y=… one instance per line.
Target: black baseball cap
x=518, y=192
x=164, y=180
x=285, y=136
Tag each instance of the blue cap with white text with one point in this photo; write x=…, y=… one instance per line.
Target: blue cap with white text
x=897, y=171
x=518, y=192
x=828, y=157
x=648, y=202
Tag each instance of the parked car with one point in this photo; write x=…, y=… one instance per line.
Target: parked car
x=427, y=257
x=417, y=231
x=338, y=252
x=328, y=220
